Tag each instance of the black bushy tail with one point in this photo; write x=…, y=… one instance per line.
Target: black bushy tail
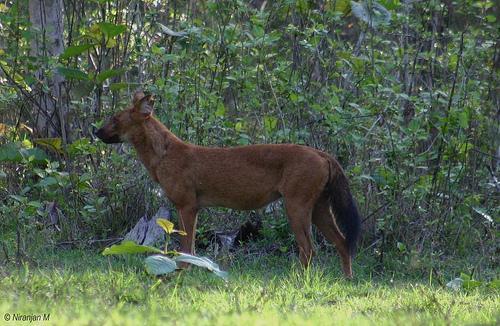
x=343, y=205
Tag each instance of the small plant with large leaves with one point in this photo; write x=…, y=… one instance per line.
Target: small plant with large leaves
x=164, y=261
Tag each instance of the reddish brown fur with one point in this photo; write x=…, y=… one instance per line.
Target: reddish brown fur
x=245, y=178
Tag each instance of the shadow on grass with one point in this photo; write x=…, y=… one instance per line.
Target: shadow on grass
x=260, y=268
x=242, y=267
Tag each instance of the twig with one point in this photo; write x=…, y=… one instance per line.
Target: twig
x=448, y=109
x=5, y=251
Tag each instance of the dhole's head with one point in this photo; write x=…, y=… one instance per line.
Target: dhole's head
x=117, y=129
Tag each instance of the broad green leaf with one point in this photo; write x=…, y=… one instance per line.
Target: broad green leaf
x=170, y=32
x=221, y=110
x=471, y=284
x=374, y=14
x=159, y=265
x=36, y=154
x=81, y=146
x=464, y=277
x=239, y=126
x=111, y=43
x=75, y=50
x=244, y=139
x=455, y=284
x=338, y=5
x=111, y=30
x=94, y=31
x=81, y=89
x=367, y=177
x=270, y=124
x=490, y=18
x=495, y=284
x=165, y=225
x=201, y=262
x=20, y=199
x=390, y=4
x=129, y=247
x=463, y=119
x=10, y=153
x=168, y=226
x=481, y=212
x=71, y=73
x=54, y=144
x=302, y=5
x=47, y=182
x=13, y=152
x=35, y=203
x=118, y=86
x=157, y=50
x=101, y=77
x=452, y=61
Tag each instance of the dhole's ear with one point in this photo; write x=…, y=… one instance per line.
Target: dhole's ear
x=145, y=105
x=138, y=95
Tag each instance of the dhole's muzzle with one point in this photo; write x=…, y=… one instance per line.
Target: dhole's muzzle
x=106, y=137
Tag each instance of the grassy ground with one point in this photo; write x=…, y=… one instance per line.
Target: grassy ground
x=88, y=289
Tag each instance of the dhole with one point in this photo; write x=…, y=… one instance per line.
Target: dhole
x=311, y=182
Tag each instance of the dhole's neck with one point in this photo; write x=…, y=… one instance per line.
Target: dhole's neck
x=151, y=141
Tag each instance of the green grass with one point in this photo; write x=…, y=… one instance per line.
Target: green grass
x=84, y=288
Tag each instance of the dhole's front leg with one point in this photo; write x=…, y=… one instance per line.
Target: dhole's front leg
x=187, y=221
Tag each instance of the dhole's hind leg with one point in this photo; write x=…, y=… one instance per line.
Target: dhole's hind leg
x=324, y=220
x=299, y=217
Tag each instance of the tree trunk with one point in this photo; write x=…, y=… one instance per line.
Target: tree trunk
x=46, y=17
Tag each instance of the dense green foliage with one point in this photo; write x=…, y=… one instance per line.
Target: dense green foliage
x=407, y=100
